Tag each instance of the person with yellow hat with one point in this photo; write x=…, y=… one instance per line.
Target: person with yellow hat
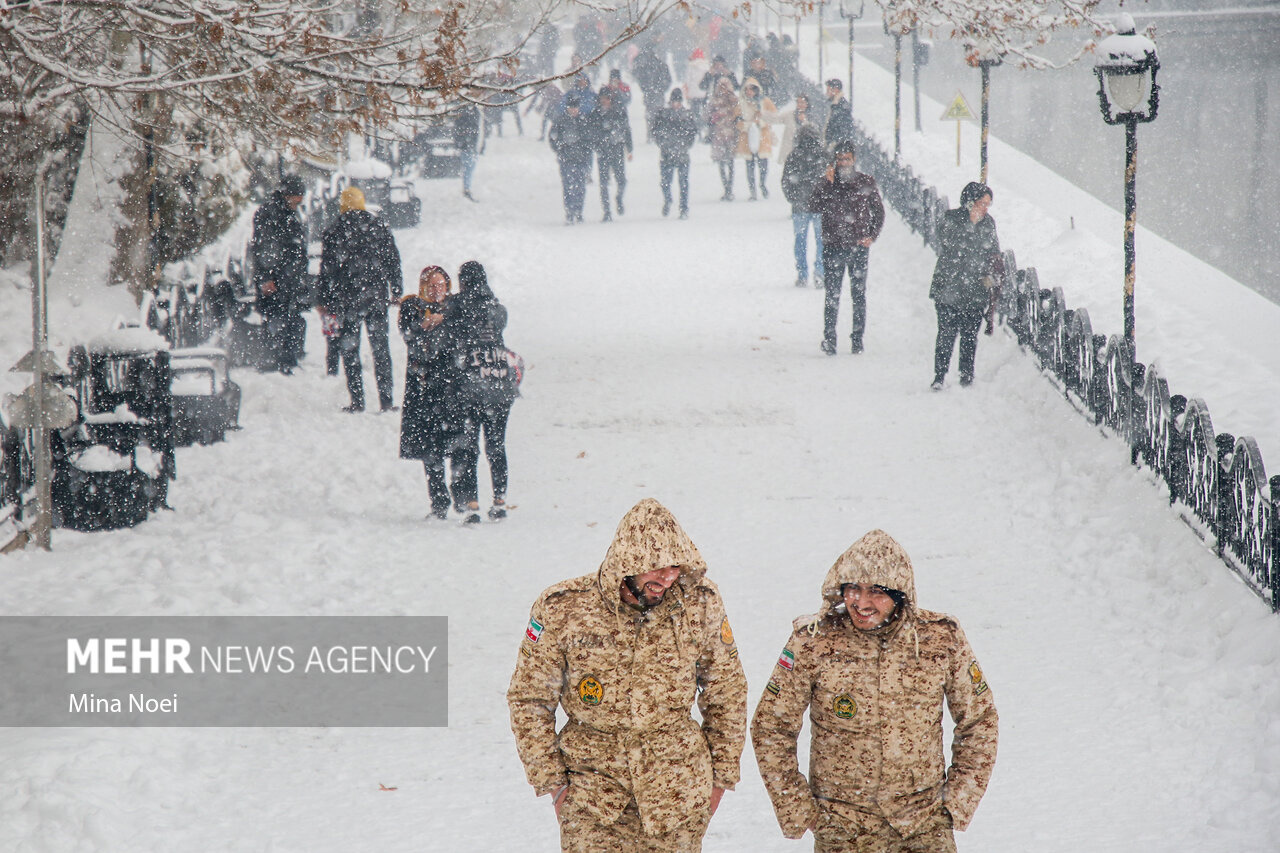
x=359, y=279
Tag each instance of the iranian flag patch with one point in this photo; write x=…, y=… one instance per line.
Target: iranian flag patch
x=534, y=631
x=786, y=660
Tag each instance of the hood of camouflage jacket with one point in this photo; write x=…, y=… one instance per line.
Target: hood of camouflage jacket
x=877, y=559
x=648, y=538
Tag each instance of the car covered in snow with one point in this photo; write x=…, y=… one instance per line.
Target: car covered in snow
x=206, y=403
x=434, y=149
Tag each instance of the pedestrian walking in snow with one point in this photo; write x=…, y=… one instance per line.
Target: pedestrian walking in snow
x=792, y=120
x=626, y=651
x=619, y=91
x=840, y=117
x=548, y=102
x=548, y=45
x=610, y=129
x=755, y=136
x=588, y=37
x=760, y=71
x=279, y=252
x=488, y=387
x=654, y=78
x=805, y=166
x=359, y=280
x=586, y=95
x=719, y=68
x=873, y=668
x=466, y=138
x=852, y=215
x=966, y=280
x=570, y=139
x=433, y=418
x=724, y=114
x=675, y=129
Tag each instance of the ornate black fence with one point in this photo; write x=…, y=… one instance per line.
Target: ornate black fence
x=1217, y=480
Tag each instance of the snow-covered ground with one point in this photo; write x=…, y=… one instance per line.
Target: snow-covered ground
x=1136, y=678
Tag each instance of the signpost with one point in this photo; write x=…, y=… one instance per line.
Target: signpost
x=41, y=406
x=958, y=111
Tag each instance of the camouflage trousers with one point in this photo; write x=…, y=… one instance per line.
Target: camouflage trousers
x=876, y=835
x=582, y=832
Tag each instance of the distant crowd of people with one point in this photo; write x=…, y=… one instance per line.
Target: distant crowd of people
x=460, y=383
x=585, y=125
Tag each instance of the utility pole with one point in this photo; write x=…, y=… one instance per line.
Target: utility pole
x=43, y=527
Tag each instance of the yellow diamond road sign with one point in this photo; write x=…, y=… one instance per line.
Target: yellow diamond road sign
x=958, y=111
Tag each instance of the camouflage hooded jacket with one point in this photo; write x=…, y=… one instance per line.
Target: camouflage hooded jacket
x=627, y=680
x=875, y=704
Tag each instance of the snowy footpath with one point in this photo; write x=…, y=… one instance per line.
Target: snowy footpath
x=1136, y=678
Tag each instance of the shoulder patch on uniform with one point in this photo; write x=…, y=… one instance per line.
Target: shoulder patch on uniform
x=534, y=631
x=844, y=707
x=590, y=691
x=772, y=688
x=975, y=675
x=726, y=633
x=787, y=660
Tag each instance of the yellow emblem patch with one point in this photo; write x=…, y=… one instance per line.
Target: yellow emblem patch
x=726, y=633
x=844, y=707
x=590, y=691
x=975, y=675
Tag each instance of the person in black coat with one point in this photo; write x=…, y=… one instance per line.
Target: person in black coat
x=279, y=252
x=719, y=68
x=466, y=138
x=611, y=138
x=570, y=138
x=359, y=279
x=966, y=279
x=476, y=320
x=805, y=166
x=433, y=418
x=675, y=129
x=840, y=118
x=654, y=77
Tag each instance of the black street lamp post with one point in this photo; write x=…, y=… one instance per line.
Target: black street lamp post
x=897, y=31
x=986, y=65
x=1127, y=94
x=919, y=57
x=897, y=96
x=852, y=11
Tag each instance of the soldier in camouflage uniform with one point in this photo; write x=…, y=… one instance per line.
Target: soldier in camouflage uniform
x=626, y=651
x=873, y=668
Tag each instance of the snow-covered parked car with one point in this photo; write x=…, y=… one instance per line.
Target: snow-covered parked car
x=434, y=150
x=206, y=403
x=112, y=468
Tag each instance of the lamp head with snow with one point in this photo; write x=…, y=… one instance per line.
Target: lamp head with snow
x=852, y=9
x=1126, y=67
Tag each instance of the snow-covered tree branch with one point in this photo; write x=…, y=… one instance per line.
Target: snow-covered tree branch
x=295, y=71
x=1010, y=30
